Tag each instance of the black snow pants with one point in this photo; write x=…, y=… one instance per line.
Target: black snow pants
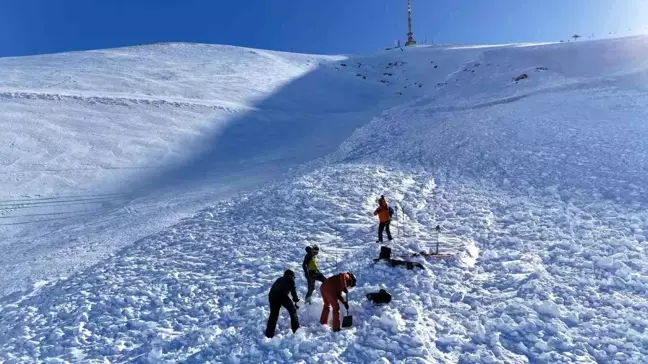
x=384, y=226
x=312, y=277
x=276, y=301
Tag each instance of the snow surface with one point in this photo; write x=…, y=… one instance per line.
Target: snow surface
x=536, y=184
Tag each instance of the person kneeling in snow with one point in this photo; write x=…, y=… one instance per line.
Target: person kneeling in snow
x=279, y=297
x=311, y=270
x=331, y=290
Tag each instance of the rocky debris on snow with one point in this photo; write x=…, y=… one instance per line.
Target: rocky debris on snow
x=520, y=77
x=396, y=64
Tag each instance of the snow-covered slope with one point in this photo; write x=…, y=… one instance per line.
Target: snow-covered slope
x=536, y=184
x=102, y=148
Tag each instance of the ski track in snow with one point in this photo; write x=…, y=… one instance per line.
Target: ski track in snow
x=540, y=201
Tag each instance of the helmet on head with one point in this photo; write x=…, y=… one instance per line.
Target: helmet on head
x=315, y=249
x=289, y=273
x=352, y=279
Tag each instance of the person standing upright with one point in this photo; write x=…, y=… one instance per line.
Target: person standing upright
x=384, y=218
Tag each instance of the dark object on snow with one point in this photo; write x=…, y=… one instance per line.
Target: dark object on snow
x=385, y=253
x=408, y=265
x=433, y=255
x=379, y=298
x=347, y=321
x=520, y=77
x=278, y=298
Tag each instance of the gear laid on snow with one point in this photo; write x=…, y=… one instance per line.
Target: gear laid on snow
x=278, y=297
x=379, y=298
x=385, y=254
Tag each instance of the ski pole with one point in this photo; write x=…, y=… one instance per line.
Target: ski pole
x=397, y=224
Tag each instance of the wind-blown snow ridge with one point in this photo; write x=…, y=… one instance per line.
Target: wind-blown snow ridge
x=120, y=100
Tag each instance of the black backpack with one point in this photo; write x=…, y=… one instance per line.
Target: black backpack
x=391, y=212
x=385, y=253
x=379, y=298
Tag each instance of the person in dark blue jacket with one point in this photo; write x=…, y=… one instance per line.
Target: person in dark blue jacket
x=278, y=297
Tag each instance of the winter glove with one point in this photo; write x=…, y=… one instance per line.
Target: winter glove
x=295, y=299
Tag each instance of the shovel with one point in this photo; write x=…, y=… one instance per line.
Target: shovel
x=347, y=321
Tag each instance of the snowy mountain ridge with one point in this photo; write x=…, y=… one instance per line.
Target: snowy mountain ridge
x=536, y=184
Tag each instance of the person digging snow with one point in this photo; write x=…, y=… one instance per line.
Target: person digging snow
x=384, y=218
x=332, y=290
x=311, y=270
x=279, y=297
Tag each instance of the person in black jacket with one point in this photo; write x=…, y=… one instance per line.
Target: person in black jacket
x=279, y=297
x=311, y=270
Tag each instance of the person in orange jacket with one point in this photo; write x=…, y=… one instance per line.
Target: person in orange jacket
x=384, y=218
x=331, y=291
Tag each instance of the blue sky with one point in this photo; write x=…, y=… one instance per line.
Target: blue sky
x=312, y=26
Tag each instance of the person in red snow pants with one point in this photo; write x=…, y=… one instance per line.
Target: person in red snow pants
x=331, y=291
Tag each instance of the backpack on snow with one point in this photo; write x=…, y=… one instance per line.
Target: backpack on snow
x=385, y=253
x=379, y=298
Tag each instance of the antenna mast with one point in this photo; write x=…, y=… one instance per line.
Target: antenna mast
x=410, y=35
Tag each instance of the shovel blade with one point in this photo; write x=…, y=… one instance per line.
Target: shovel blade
x=347, y=321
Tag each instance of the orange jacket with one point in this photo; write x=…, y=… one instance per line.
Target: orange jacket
x=336, y=284
x=382, y=211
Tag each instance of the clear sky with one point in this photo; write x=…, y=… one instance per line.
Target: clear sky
x=312, y=26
